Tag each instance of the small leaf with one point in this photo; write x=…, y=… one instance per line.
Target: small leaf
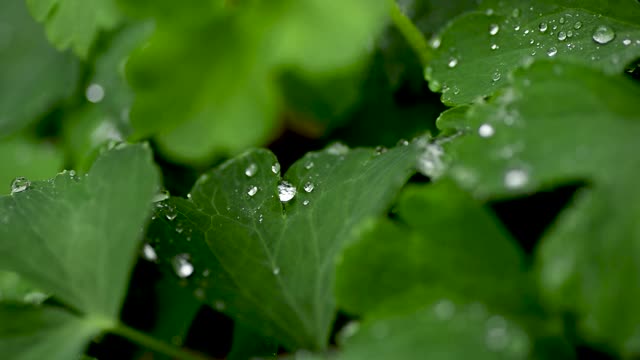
x=76, y=236
x=75, y=23
x=465, y=333
x=426, y=254
x=261, y=248
x=479, y=50
x=34, y=333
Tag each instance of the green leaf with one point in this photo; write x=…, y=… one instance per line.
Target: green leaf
x=426, y=255
x=75, y=24
x=34, y=333
x=77, y=237
x=471, y=62
x=24, y=157
x=560, y=123
x=249, y=345
x=267, y=264
x=33, y=75
x=224, y=97
x=444, y=331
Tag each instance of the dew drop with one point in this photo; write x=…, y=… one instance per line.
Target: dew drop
x=170, y=213
x=251, y=170
x=444, y=309
x=494, y=29
x=35, y=297
x=305, y=203
x=552, y=52
x=516, y=178
x=569, y=33
x=515, y=13
x=19, y=185
x=496, y=76
x=562, y=36
x=562, y=20
x=309, y=165
x=338, y=149
x=94, y=93
x=430, y=161
x=252, y=191
x=577, y=25
x=497, y=338
x=543, y=27
x=148, y=253
x=494, y=47
x=453, y=62
x=182, y=266
x=308, y=187
x=286, y=191
x=435, y=42
x=275, y=168
x=276, y=270
x=486, y=130
x=626, y=42
x=162, y=195
x=603, y=34
x=219, y=305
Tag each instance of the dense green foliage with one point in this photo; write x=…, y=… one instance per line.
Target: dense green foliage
x=319, y=179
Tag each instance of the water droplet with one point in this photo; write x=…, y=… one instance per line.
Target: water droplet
x=603, y=34
x=496, y=76
x=626, y=42
x=497, y=337
x=305, y=203
x=308, y=187
x=35, y=297
x=170, y=213
x=494, y=47
x=309, y=165
x=402, y=142
x=275, y=168
x=380, y=150
x=569, y=33
x=494, y=29
x=286, y=191
x=182, y=266
x=562, y=36
x=444, y=309
x=435, y=42
x=552, y=51
x=515, y=13
x=543, y=27
x=453, y=62
x=95, y=93
x=430, y=161
x=562, y=20
x=276, y=270
x=19, y=185
x=148, y=253
x=251, y=170
x=162, y=195
x=252, y=191
x=516, y=178
x=338, y=149
x=349, y=330
x=577, y=25
x=486, y=130
x=219, y=305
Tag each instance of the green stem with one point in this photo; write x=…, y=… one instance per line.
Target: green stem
x=411, y=33
x=154, y=344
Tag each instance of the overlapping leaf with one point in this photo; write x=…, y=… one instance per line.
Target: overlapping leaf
x=75, y=24
x=270, y=265
x=479, y=50
x=561, y=123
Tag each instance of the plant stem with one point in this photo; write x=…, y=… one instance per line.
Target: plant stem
x=154, y=344
x=411, y=33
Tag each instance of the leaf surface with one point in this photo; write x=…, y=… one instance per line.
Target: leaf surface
x=267, y=264
x=479, y=50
